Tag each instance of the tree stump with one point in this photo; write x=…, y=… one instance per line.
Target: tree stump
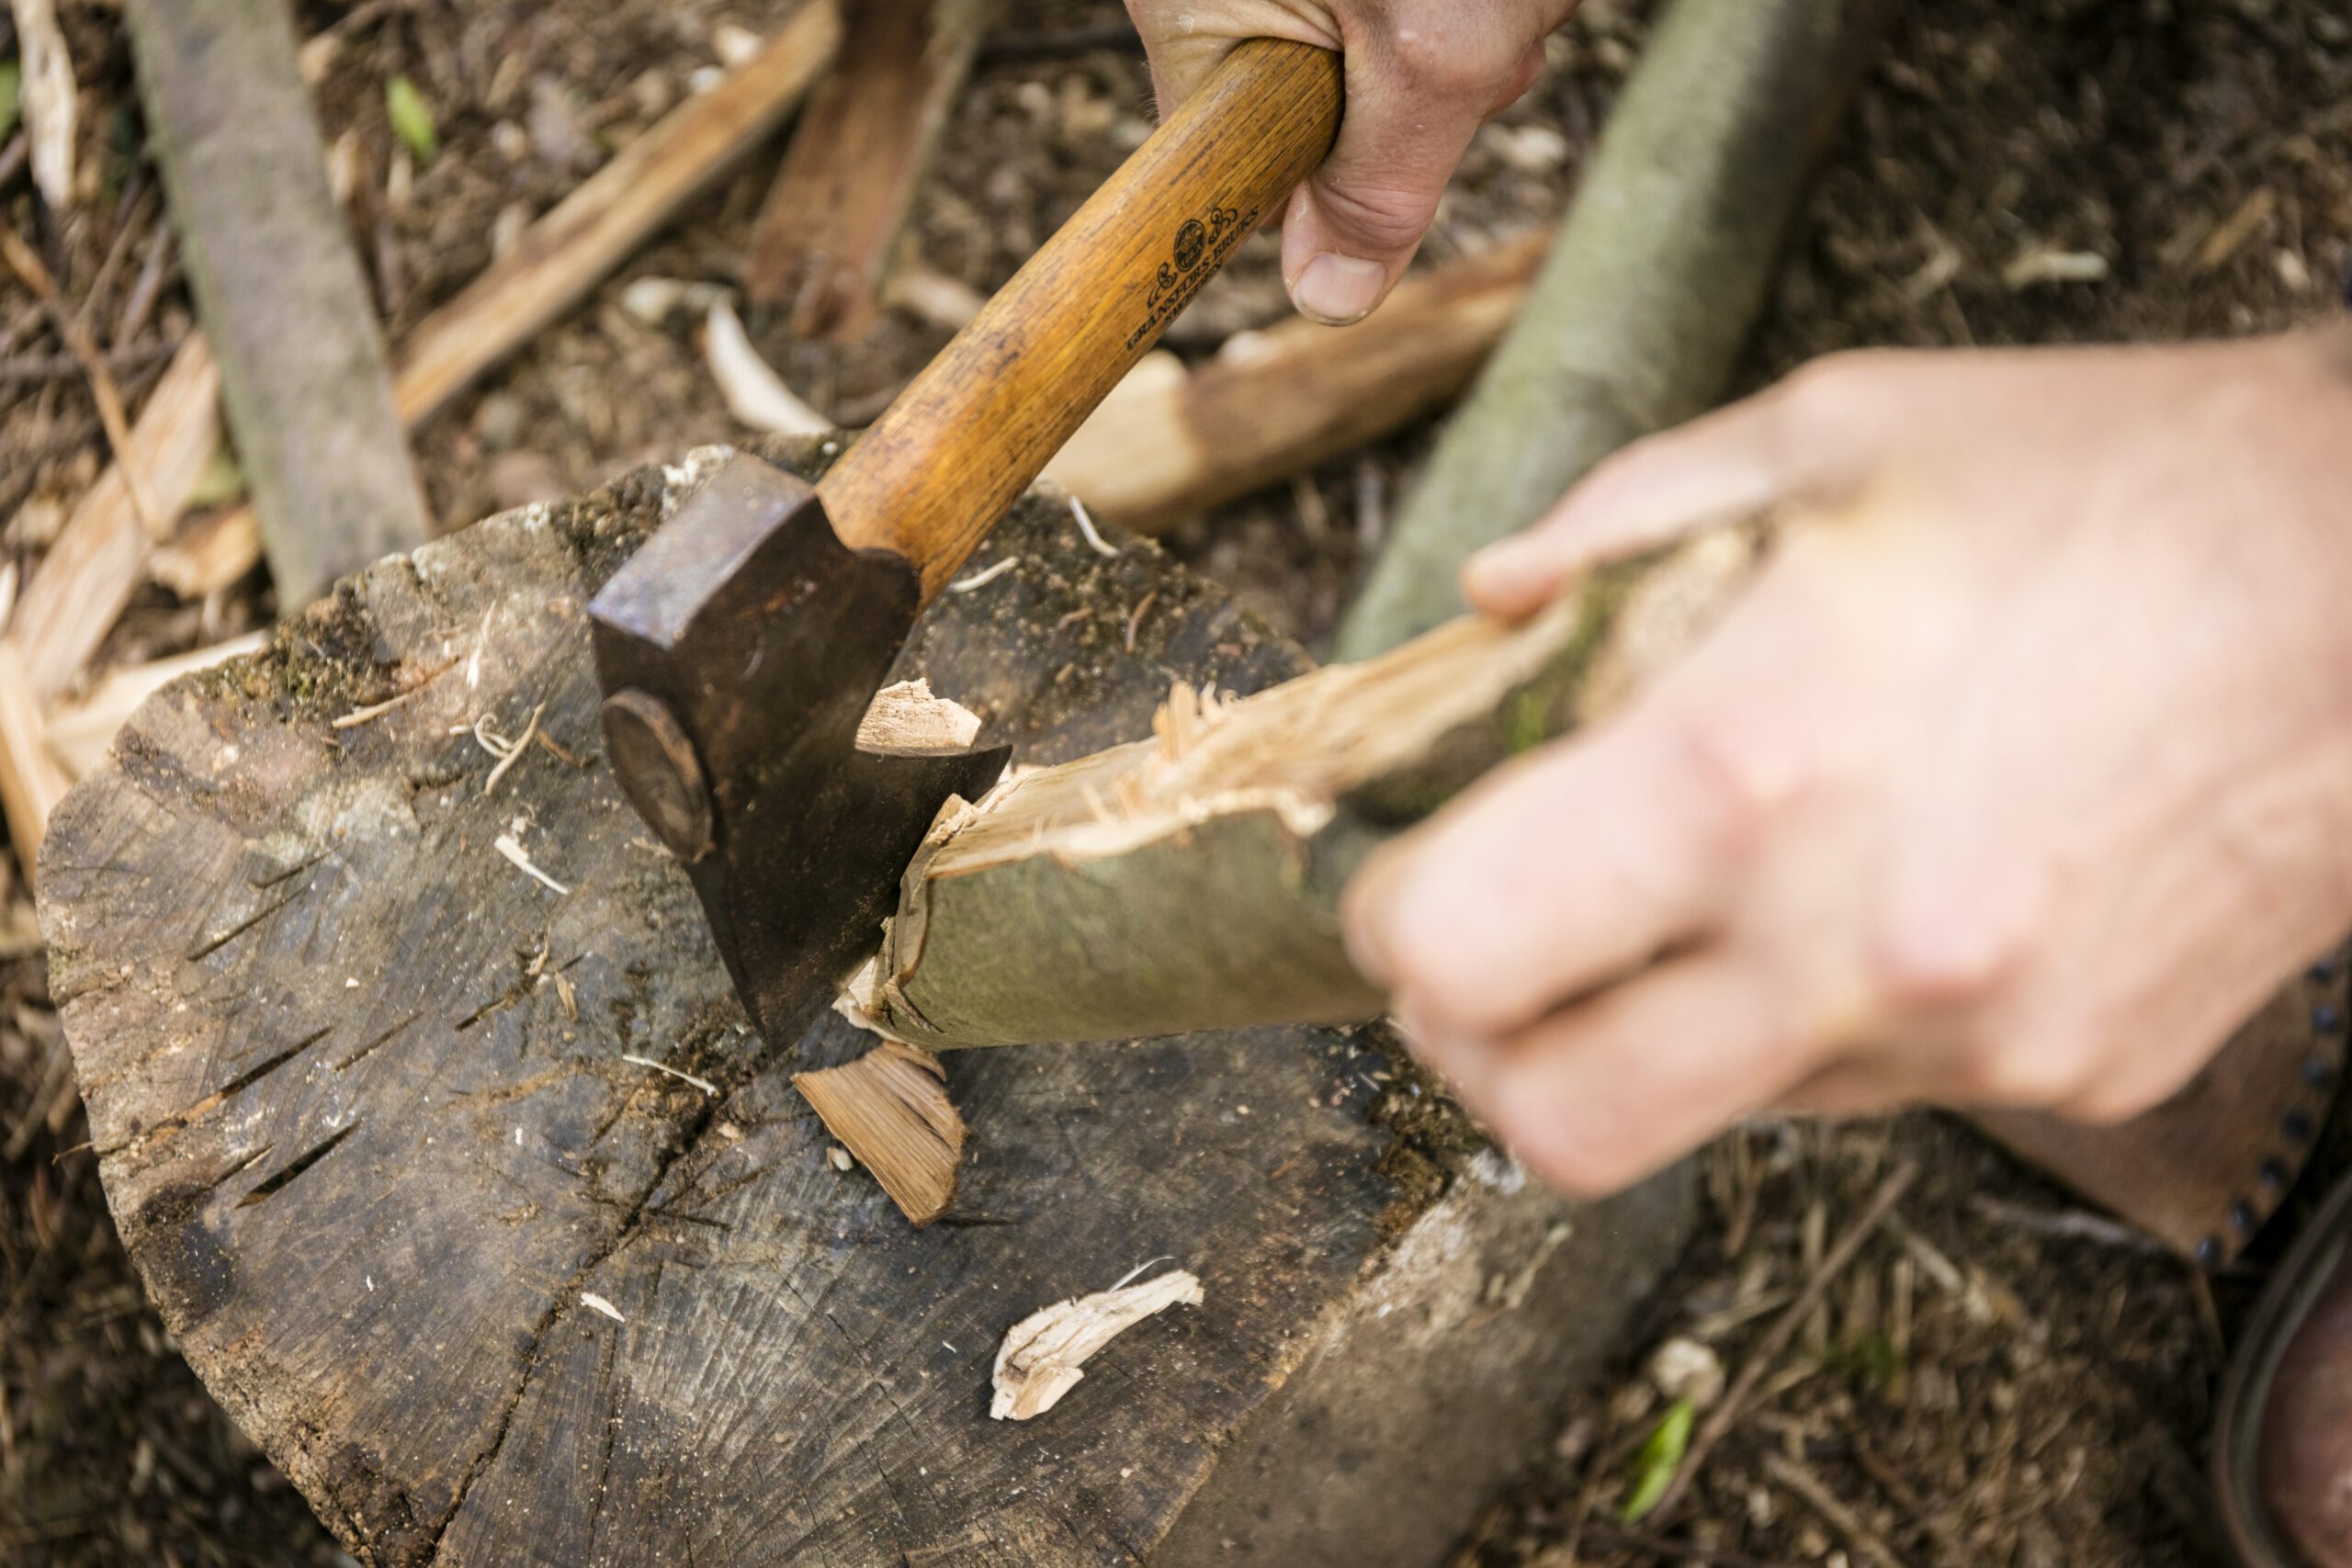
x=491, y=1293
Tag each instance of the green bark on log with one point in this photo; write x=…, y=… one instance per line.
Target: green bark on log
x=1652, y=286
x=1190, y=882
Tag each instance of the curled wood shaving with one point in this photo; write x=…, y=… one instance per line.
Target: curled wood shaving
x=982, y=579
x=1094, y=539
x=1041, y=1357
x=891, y=1110
x=754, y=393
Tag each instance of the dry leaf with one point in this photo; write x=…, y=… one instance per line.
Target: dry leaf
x=1040, y=1357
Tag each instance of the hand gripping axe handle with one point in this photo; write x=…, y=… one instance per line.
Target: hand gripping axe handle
x=741, y=647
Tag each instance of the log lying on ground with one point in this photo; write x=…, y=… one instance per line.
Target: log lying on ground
x=359, y=1091
x=1172, y=442
x=277, y=288
x=1659, y=270
x=1190, y=881
x=831, y=221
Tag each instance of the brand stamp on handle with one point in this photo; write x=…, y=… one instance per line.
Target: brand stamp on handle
x=1199, y=249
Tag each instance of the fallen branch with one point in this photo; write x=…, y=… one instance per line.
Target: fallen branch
x=88, y=577
x=90, y=571
x=1660, y=268
x=80, y=730
x=1169, y=443
x=28, y=267
x=277, y=288
x=570, y=250
x=31, y=783
x=827, y=233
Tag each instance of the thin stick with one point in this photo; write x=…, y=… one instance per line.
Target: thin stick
x=1784, y=1329
x=1822, y=1501
x=108, y=396
x=30, y=367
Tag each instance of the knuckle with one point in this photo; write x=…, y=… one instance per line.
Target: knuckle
x=1835, y=390
x=1743, y=772
x=1959, y=951
x=2031, y=1068
x=1432, y=57
x=1386, y=218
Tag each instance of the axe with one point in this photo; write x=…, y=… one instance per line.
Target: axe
x=739, y=647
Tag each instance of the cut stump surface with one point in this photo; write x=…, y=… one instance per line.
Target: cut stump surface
x=356, y=1077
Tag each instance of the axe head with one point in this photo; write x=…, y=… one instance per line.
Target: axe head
x=738, y=650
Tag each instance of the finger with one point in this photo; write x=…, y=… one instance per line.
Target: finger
x=1414, y=97
x=1553, y=874
x=1738, y=462
x=1184, y=47
x=1600, y=1095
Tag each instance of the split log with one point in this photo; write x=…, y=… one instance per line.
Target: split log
x=831, y=221
x=1192, y=881
x=358, y=1088
x=1169, y=443
x=277, y=288
x=1652, y=288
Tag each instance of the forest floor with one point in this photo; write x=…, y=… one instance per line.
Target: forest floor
x=1999, y=1379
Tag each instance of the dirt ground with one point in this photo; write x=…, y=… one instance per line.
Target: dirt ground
x=1999, y=1378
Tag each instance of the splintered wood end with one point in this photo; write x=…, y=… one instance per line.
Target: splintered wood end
x=910, y=720
x=891, y=1110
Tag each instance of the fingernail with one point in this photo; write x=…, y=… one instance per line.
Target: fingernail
x=1338, y=291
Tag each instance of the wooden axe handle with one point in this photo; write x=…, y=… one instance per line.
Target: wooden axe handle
x=936, y=472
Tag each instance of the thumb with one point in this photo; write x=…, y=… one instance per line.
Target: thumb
x=1414, y=97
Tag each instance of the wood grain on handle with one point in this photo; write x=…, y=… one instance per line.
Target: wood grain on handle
x=979, y=423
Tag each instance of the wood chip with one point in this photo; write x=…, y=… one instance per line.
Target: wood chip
x=595, y=1303
x=891, y=1110
x=31, y=783
x=1041, y=1357
x=754, y=393
x=47, y=99
x=910, y=720
x=508, y=845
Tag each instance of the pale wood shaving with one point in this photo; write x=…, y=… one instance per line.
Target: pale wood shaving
x=1041, y=1357
x=754, y=392
x=508, y=845
x=46, y=97
x=703, y=1084
x=910, y=720
x=982, y=579
x=889, y=1108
